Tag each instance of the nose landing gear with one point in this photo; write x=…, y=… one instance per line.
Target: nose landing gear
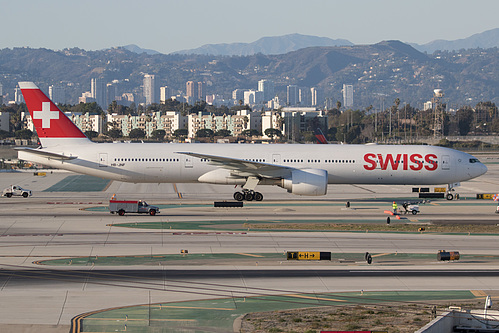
x=451, y=195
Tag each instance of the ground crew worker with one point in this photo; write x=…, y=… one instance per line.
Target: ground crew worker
x=394, y=207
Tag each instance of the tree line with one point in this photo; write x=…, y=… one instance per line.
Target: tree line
x=397, y=123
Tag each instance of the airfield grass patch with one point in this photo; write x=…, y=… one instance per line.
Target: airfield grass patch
x=396, y=226
x=79, y=183
x=279, y=313
x=382, y=227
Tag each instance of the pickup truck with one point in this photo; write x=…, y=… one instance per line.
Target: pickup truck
x=15, y=190
x=129, y=206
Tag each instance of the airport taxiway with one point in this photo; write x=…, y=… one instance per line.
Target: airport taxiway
x=56, y=225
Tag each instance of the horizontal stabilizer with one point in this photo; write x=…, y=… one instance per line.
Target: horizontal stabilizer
x=47, y=154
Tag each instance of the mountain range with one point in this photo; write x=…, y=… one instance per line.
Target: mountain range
x=294, y=42
x=267, y=45
x=379, y=72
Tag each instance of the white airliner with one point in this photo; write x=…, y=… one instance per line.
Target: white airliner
x=299, y=168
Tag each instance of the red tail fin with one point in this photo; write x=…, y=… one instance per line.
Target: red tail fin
x=49, y=120
x=321, y=138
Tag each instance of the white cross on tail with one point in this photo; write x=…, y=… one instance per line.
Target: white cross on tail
x=46, y=114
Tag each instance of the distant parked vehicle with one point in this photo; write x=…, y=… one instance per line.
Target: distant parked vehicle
x=121, y=207
x=410, y=208
x=15, y=190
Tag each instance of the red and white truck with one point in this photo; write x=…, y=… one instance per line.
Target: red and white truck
x=121, y=207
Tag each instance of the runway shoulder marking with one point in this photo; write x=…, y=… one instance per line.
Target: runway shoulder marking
x=195, y=307
x=382, y=254
x=250, y=255
x=478, y=293
x=317, y=298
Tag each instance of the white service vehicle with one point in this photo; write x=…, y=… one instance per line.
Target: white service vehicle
x=410, y=208
x=15, y=190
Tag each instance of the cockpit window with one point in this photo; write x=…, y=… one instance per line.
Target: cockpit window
x=474, y=160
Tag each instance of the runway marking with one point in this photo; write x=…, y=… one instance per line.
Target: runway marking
x=250, y=255
x=195, y=307
x=478, y=293
x=131, y=319
x=381, y=254
x=317, y=298
x=179, y=195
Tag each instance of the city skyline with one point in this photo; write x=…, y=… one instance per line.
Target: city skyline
x=380, y=20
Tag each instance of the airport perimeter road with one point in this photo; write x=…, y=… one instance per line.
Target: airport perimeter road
x=52, y=294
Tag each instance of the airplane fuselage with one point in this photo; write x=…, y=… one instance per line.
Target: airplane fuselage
x=345, y=164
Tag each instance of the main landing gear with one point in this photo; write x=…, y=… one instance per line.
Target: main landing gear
x=248, y=195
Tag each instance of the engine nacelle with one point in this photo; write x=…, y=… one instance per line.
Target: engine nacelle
x=306, y=182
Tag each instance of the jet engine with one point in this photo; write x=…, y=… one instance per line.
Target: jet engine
x=311, y=182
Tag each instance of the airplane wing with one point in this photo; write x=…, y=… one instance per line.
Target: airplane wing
x=245, y=168
x=54, y=156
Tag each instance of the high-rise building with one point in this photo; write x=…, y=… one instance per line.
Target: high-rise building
x=112, y=92
x=238, y=95
x=347, y=95
x=98, y=91
x=57, y=94
x=164, y=94
x=191, y=89
x=86, y=97
x=292, y=95
x=252, y=97
x=149, y=89
x=314, y=96
x=18, y=96
x=317, y=97
x=1, y=94
x=304, y=97
x=201, y=91
x=194, y=91
x=267, y=87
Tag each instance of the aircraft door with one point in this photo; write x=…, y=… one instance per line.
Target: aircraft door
x=103, y=160
x=445, y=162
x=188, y=161
x=276, y=159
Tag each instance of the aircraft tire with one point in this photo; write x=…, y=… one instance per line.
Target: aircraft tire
x=258, y=196
x=238, y=196
x=249, y=196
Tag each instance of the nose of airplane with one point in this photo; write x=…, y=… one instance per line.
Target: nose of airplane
x=481, y=169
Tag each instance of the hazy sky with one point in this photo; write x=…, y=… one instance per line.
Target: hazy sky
x=168, y=26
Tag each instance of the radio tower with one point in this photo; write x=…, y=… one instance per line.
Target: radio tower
x=438, y=111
